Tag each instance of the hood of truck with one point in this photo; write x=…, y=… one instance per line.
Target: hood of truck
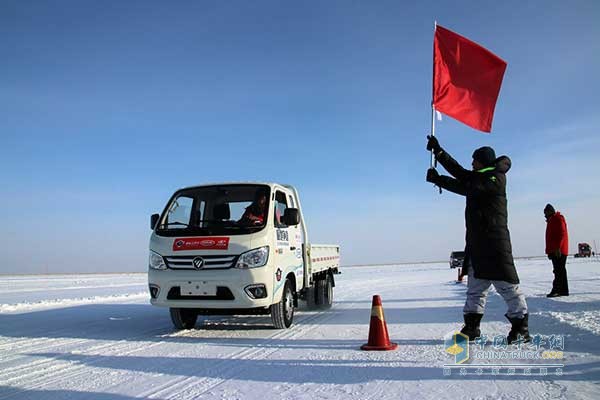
x=207, y=245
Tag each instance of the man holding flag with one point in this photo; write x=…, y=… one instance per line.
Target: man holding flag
x=488, y=252
x=466, y=84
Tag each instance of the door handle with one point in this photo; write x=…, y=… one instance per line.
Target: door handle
x=292, y=248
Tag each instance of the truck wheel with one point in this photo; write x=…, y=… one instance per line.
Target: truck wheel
x=324, y=292
x=311, y=297
x=282, y=313
x=183, y=318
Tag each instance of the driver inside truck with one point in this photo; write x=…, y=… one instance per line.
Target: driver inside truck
x=255, y=213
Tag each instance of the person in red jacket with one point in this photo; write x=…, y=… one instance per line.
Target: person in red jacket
x=256, y=213
x=557, y=248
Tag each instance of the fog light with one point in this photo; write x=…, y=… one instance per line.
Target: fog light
x=256, y=291
x=154, y=290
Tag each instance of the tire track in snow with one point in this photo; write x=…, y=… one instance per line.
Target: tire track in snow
x=32, y=368
x=44, y=343
x=52, y=371
x=7, y=344
x=180, y=388
x=60, y=372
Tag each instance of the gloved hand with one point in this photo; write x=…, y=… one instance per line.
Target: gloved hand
x=432, y=175
x=433, y=144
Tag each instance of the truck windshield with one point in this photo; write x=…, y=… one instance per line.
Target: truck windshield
x=216, y=210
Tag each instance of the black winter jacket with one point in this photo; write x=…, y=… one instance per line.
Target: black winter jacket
x=488, y=250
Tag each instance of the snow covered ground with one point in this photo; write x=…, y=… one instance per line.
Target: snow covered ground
x=96, y=337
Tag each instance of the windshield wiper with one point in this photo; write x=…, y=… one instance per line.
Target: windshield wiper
x=233, y=224
x=244, y=227
x=174, y=223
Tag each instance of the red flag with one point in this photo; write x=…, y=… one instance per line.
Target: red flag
x=466, y=79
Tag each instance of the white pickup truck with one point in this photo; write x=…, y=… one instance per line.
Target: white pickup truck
x=237, y=248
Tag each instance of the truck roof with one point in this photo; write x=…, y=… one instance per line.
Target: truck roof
x=270, y=184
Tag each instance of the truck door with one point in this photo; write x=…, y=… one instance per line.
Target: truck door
x=297, y=240
x=285, y=243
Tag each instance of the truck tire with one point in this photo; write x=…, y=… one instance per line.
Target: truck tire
x=183, y=318
x=324, y=292
x=282, y=313
x=311, y=298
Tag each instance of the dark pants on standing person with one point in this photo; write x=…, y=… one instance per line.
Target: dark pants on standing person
x=560, y=284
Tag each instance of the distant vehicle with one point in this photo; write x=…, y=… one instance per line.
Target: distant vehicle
x=206, y=258
x=456, y=259
x=583, y=250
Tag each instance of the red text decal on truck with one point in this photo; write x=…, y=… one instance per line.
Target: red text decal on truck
x=203, y=243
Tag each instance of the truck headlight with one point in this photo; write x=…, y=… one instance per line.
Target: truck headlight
x=253, y=258
x=155, y=261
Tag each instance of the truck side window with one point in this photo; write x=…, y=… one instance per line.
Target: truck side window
x=280, y=206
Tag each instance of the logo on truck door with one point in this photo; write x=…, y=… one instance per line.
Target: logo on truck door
x=283, y=238
x=282, y=235
x=205, y=243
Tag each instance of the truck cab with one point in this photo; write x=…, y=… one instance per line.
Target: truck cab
x=583, y=250
x=237, y=248
x=456, y=259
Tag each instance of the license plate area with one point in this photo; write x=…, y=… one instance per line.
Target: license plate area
x=197, y=288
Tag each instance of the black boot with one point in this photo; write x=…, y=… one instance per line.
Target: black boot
x=471, y=328
x=520, y=326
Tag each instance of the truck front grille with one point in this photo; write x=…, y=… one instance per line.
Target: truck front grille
x=210, y=262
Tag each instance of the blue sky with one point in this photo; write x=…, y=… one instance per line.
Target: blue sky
x=107, y=107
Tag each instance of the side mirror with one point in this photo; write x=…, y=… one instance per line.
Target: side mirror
x=291, y=217
x=153, y=220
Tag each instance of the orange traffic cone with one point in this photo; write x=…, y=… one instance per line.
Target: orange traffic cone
x=378, y=333
x=460, y=276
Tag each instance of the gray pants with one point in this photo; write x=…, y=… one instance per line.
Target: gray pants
x=477, y=291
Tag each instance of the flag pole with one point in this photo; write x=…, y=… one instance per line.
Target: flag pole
x=433, y=162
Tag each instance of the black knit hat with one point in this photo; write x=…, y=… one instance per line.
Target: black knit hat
x=549, y=208
x=485, y=155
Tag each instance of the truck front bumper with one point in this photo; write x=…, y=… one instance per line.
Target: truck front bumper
x=226, y=288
